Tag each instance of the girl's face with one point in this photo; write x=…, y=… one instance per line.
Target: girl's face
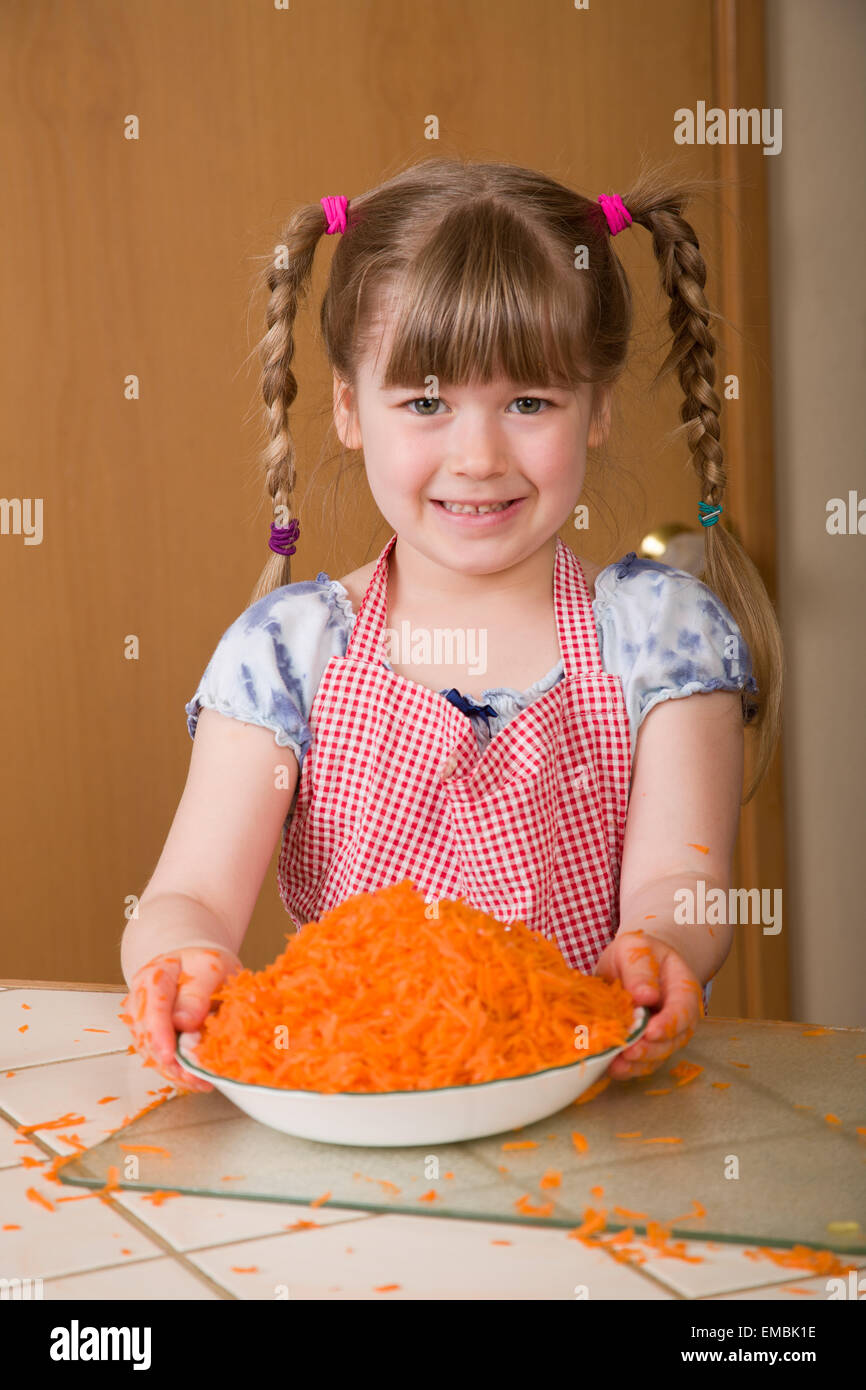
x=508, y=441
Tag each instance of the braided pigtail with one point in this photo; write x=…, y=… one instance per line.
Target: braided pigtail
x=727, y=570
x=287, y=277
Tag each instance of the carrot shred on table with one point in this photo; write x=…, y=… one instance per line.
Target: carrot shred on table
x=802, y=1257
x=664, y=1140
x=431, y=1196
x=33, y=1196
x=28, y=1161
x=233, y=1177
x=24, y=1027
x=524, y=1204
x=303, y=1225
x=593, y=1221
x=385, y=1288
x=501, y=1242
x=684, y=1072
x=745, y=1065
x=597, y=1193
x=662, y=1091
x=319, y=1201
x=159, y=1197
x=146, y=1149
x=629, y=1133
x=60, y=1123
x=630, y=1215
x=832, y=1119
x=244, y=1269
x=96, y=1030
x=103, y=1100
x=705, y=849
x=579, y=1141
x=376, y=997
x=522, y=1144
x=10, y=1226
x=720, y=1085
x=552, y=1178
x=815, y=1032
x=593, y=1091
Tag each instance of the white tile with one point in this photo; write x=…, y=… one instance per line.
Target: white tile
x=154, y=1280
x=10, y=1150
x=192, y=1222
x=724, y=1269
x=805, y=1290
x=56, y=1024
x=72, y=1237
x=429, y=1258
x=78, y=1087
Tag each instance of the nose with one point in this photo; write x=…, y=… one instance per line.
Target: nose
x=478, y=449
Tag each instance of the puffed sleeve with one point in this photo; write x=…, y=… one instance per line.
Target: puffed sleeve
x=667, y=635
x=268, y=664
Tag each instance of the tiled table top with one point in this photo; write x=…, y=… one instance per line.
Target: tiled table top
x=63, y=1050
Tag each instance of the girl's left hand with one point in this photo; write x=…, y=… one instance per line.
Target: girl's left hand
x=656, y=976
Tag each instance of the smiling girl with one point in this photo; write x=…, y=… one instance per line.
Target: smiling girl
x=476, y=319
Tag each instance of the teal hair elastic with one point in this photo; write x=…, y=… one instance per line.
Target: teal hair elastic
x=710, y=512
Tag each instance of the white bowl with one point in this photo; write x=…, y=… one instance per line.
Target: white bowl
x=447, y=1115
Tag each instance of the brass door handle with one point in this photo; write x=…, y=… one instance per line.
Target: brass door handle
x=681, y=547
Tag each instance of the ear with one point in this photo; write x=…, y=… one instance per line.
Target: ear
x=599, y=424
x=346, y=414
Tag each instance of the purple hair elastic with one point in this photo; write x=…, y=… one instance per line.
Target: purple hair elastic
x=282, y=537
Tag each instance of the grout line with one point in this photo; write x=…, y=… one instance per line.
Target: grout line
x=128, y=1264
x=269, y=1235
x=58, y=1061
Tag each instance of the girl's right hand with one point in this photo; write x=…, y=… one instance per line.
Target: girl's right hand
x=172, y=994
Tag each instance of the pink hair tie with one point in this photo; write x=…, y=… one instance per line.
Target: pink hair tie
x=335, y=211
x=616, y=212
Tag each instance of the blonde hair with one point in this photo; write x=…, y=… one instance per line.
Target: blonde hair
x=474, y=263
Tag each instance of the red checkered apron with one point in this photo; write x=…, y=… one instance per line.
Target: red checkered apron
x=393, y=786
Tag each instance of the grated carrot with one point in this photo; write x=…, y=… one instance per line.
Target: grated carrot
x=802, y=1257
x=551, y=1178
x=37, y=1197
x=684, y=1072
x=524, y=1204
x=580, y=1142
x=377, y=997
x=593, y=1091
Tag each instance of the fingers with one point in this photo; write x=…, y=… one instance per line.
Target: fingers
x=152, y=1002
x=670, y=1028
x=637, y=966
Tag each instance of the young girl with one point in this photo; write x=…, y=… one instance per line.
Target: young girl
x=475, y=319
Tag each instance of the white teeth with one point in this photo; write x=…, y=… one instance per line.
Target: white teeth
x=475, y=511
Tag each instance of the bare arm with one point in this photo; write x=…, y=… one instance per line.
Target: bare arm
x=204, y=888
x=686, y=788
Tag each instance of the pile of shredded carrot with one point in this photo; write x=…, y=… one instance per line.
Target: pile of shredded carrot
x=377, y=996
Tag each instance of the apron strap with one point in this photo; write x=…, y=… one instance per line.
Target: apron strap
x=575, y=624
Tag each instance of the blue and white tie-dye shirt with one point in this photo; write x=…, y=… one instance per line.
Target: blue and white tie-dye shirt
x=662, y=631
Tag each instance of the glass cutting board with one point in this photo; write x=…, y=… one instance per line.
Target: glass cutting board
x=755, y=1151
